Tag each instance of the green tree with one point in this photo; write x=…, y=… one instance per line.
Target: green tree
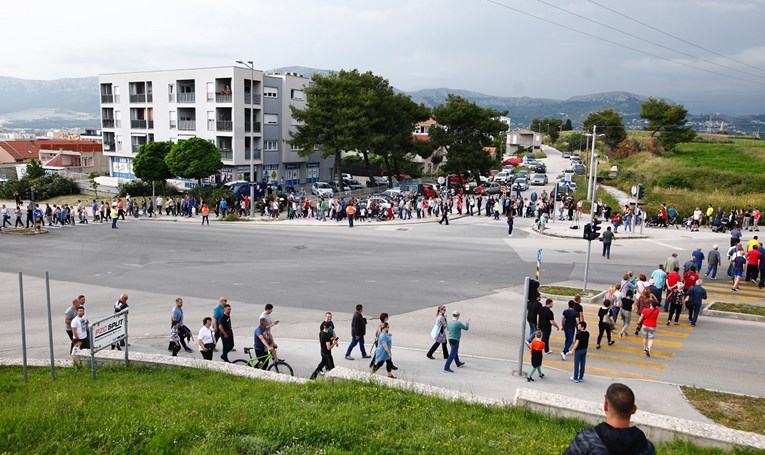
x=194, y=158
x=548, y=125
x=93, y=183
x=668, y=121
x=34, y=170
x=464, y=128
x=609, y=123
x=567, y=126
x=149, y=164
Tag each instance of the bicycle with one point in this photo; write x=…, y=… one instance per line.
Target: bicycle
x=277, y=365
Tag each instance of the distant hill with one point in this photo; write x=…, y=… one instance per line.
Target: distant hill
x=74, y=102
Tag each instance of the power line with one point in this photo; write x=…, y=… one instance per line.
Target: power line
x=622, y=45
x=675, y=37
x=649, y=41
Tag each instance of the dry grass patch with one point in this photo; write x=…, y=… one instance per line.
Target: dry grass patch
x=742, y=308
x=733, y=411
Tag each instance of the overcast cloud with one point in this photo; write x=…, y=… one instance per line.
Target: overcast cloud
x=476, y=45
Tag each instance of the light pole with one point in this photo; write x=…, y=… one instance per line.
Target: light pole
x=249, y=64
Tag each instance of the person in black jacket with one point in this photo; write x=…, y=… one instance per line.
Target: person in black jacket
x=615, y=435
x=532, y=311
x=358, y=330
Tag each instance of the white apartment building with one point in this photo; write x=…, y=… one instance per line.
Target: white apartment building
x=237, y=109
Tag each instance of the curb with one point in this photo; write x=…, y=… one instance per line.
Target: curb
x=561, y=236
x=729, y=315
x=596, y=299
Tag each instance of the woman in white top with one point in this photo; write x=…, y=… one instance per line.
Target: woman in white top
x=206, y=339
x=439, y=333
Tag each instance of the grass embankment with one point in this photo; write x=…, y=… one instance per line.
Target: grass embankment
x=567, y=291
x=734, y=411
x=141, y=410
x=742, y=308
x=724, y=174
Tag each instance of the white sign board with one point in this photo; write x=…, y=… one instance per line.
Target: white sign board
x=108, y=331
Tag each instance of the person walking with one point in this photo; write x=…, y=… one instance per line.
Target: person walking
x=581, y=342
x=444, y=212
x=608, y=237
x=454, y=333
x=675, y=301
x=114, y=214
x=206, y=339
x=537, y=348
x=738, y=268
x=175, y=339
x=713, y=260
x=694, y=297
x=439, y=333
x=605, y=323
x=80, y=328
x=509, y=223
x=648, y=321
x=626, y=313
x=205, y=214
x=69, y=315
x=569, y=322
x=384, y=354
x=358, y=330
x=176, y=315
x=546, y=321
x=327, y=342
x=532, y=314
x=226, y=332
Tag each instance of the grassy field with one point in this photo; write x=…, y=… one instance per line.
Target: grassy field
x=190, y=411
x=734, y=411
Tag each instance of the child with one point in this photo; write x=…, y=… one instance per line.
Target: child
x=537, y=350
x=175, y=339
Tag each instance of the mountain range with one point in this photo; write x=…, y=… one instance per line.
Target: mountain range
x=74, y=102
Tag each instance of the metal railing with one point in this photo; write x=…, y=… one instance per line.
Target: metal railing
x=187, y=97
x=109, y=146
x=222, y=97
x=173, y=124
x=107, y=123
x=226, y=154
x=255, y=156
x=107, y=98
x=138, y=98
x=187, y=125
x=248, y=99
x=225, y=125
x=140, y=124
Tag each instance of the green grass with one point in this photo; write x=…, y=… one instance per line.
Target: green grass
x=738, y=308
x=141, y=410
x=734, y=411
x=569, y=292
x=740, y=157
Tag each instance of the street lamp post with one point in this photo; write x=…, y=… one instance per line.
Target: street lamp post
x=249, y=64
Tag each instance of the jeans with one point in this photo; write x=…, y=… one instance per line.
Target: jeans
x=350, y=220
x=615, y=313
x=693, y=312
x=454, y=354
x=228, y=345
x=607, y=249
x=569, y=333
x=354, y=342
x=532, y=330
x=713, y=270
x=114, y=222
x=580, y=359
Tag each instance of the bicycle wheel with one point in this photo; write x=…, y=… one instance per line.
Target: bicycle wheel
x=242, y=362
x=281, y=367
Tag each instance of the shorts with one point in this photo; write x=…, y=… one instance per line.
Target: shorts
x=649, y=333
x=738, y=272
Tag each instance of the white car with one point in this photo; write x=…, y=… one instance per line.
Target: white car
x=502, y=177
x=321, y=189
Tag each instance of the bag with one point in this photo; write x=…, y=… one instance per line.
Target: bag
x=441, y=338
x=688, y=304
x=730, y=269
x=436, y=331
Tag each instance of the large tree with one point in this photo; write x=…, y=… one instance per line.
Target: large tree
x=194, y=158
x=609, y=123
x=668, y=121
x=149, y=164
x=548, y=125
x=465, y=128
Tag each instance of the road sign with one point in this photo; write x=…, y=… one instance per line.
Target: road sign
x=108, y=331
x=441, y=180
x=634, y=190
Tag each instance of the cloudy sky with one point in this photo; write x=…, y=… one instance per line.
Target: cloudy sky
x=535, y=48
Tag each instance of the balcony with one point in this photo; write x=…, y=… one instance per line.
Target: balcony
x=248, y=99
x=255, y=156
x=224, y=125
x=107, y=123
x=138, y=124
x=107, y=99
x=109, y=146
x=222, y=98
x=138, y=98
x=151, y=124
x=247, y=127
x=226, y=154
x=187, y=125
x=187, y=97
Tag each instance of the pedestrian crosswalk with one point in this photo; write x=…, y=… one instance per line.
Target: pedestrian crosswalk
x=625, y=358
x=720, y=291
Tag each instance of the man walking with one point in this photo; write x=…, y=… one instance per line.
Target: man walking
x=694, y=297
x=226, y=332
x=545, y=323
x=454, y=330
x=69, y=316
x=216, y=314
x=358, y=330
x=581, y=343
x=176, y=315
x=532, y=313
x=569, y=322
x=80, y=328
x=713, y=260
x=615, y=435
x=120, y=305
x=326, y=342
x=608, y=237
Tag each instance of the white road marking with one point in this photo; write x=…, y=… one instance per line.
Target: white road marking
x=665, y=244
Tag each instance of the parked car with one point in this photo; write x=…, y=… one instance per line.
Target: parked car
x=352, y=184
x=539, y=167
x=491, y=188
x=346, y=176
x=579, y=169
x=501, y=177
x=567, y=155
x=391, y=193
x=378, y=181
x=538, y=179
x=514, y=161
x=575, y=159
x=520, y=183
x=524, y=174
x=321, y=189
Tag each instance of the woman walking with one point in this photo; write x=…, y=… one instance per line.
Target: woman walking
x=206, y=339
x=605, y=323
x=626, y=313
x=648, y=319
x=439, y=333
x=384, y=354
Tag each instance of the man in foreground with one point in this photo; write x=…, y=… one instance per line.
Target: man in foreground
x=615, y=435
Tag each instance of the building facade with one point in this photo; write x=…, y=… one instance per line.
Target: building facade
x=238, y=109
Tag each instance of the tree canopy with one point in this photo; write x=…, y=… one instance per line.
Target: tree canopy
x=34, y=170
x=668, y=121
x=464, y=128
x=548, y=125
x=149, y=164
x=609, y=123
x=194, y=158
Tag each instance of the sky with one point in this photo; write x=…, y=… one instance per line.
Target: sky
x=533, y=48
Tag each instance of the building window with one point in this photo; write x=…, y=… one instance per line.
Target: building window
x=271, y=145
x=271, y=119
x=296, y=94
x=270, y=92
x=295, y=148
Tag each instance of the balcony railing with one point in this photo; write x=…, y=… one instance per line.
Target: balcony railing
x=140, y=124
x=173, y=124
x=187, y=125
x=255, y=156
x=225, y=125
x=257, y=127
x=226, y=154
x=135, y=147
x=107, y=123
x=222, y=98
x=248, y=99
x=107, y=98
x=139, y=98
x=186, y=97
x=109, y=146
x=151, y=124
x=149, y=98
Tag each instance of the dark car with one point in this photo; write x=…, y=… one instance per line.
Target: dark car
x=377, y=181
x=579, y=169
x=539, y=167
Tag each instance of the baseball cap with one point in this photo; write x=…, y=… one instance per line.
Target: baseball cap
x=455, y=313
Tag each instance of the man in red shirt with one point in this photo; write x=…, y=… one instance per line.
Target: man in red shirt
x=690, y=277
x=673, y=278
x=752, y=264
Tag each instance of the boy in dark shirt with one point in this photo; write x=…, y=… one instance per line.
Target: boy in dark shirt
x=545, y=323
x=568, y=322
x=581, y=343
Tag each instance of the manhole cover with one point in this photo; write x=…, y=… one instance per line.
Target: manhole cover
x=402, y=229
x=299, y=247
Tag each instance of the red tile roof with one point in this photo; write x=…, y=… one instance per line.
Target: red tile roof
x=24, y=151
x=21, y=150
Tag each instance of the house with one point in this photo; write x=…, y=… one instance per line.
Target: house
x=526, y=139
x=55, y=156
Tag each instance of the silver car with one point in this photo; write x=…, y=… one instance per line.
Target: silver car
x=321, y=189
x=538, y=179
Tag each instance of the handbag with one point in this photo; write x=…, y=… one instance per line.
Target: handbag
x=441, y=338
x=436, y=331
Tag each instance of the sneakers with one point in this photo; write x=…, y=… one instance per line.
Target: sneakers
x=597, y=346
x=430, y=357
x=529, y=379
x=366, y=356
x=647, y=352
x=611, y=342
x=563, y=355
x=187, y=349
x=448, y=370
x=461, y=365
x=541, y=376
x=348, y=357
x=550, y=352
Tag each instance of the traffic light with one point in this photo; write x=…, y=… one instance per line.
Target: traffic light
x=640, y=191
x=587, y=232
x=595, y=230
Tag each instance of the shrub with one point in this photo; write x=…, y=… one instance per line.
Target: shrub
x=135, y=188
x=46, y=187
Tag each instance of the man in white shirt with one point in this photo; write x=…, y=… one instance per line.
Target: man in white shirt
x=80, y=327
x=267, y=316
